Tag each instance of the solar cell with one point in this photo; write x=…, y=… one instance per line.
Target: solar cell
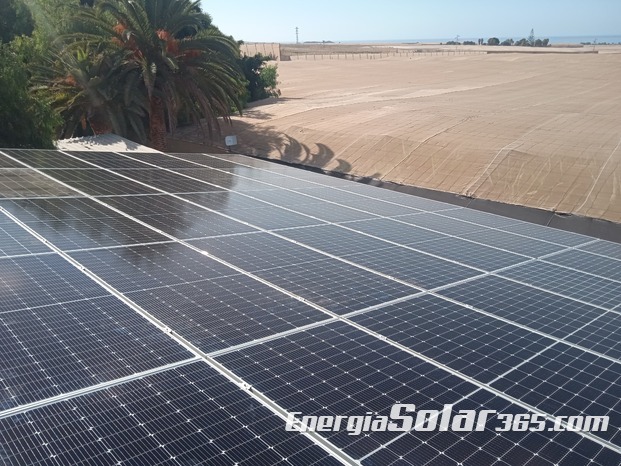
x=41, y=280
x=6, y=162
x=336, y=286
x=82, y=208
x=272, y=217
x=13, y=242
x=216, y=177
x=442, y=224
x=471, y=254
x=335, y=240
x=22, y=183
x=513, y=243
x=476, y=345
x=568, y=282
x=602, y=335
x=176, y=217
x=553, y=235
x=339, y=370
x=37, y=158
x=222, y=312
x=391, y=230
x=604, y=248
x=590, y=263
x=186, y=415
x=555, y=315
x=257, y=251
x=414, y=267
x=69, y=224
x=150, y=266
x=60, y=348
x=168, y=181
x=563, y=380
x=224, y=201
x=95, y=182
x=385, y=209
x=332, y=212
x=481, y=218
x=488, y=447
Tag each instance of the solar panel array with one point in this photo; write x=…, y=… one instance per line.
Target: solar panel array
x=175, y=309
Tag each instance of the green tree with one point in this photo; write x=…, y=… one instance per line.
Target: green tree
x=261, y=79
x=182, y=66
x=25, y=121
x=94, y=92
x=493, y=41
x=15, y=20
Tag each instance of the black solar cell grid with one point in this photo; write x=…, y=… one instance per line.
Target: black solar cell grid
x=339, y=370
x=442, y=224
x=568, y=381
x=481, y=218
x=13, y=242
x=604, y=248
x=476, y=345
x=225, y=202
x=513, y=243
x=489, y=447
x=257, y=251
x=60, y=348
x=556, y=348
x=187, y=415
x=223, y=312
x=552, y=235
x=42, y=280
x=335, y=240
x=336, y=286
x=548, y=313
x=395, y=231
x=414, y=267
x=568, y=282
x=590, y=263
x=45, y=158
x=471, y=254
x=151, y=266
x=25, y=183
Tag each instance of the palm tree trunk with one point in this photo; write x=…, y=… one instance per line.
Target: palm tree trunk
x=99, y=124
x=157, y=124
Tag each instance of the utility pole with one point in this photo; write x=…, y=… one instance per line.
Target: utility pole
x=297, y=35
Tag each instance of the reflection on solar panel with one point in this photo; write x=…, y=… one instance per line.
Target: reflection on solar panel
x=178, y=309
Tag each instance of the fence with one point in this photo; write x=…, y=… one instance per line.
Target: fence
x=267, y=49
x=379, y=55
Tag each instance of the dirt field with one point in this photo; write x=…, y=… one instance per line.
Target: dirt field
x=541, y=130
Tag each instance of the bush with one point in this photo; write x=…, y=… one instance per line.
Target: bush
x=262, y=79
x=25, y=121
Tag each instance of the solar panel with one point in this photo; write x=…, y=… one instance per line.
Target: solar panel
x=473, y=343
x=69, y=227
x=274, y=291
x=186, y=415
x=339, y=370
x=14, y=243
x=590, y=263
x=537, y=309
x=21, y=183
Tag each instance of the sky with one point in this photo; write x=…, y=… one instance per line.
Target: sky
x=349, y=20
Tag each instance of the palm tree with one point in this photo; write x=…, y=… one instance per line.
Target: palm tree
x=181, y=64
x=94, y=88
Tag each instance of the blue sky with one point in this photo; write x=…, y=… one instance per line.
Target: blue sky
x=344, y=20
